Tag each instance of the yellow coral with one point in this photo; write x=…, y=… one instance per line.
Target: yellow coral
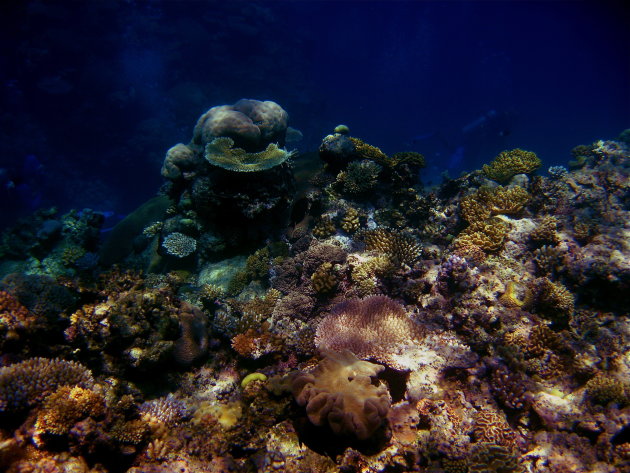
x=366, y=151
x=487, y=202
x=221, y=152
x=324, y=228
x=516, y=296
x=510, y=163
x=350, y=222
x=488, y=235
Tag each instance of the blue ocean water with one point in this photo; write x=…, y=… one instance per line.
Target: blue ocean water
x=97, y=91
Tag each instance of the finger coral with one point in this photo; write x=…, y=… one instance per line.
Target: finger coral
x=26, y=384
x=375, y=327
x=340, y=392
x=510, y=163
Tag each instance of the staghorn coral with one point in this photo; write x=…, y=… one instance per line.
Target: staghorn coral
x=340, y=393
x=324, y=279
x=222, y=153
x=400, y=248
x=509, y=163
x=26, y=384
x=375, y=327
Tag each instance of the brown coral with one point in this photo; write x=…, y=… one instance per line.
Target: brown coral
x=341, y=393
x=324, y=228
x=546, y=231
x=350, y=222
x=487, y=202
x=27, y=383
x=510, y=163
x=488, y=235
x=324, y=280
x=401, y=249
x=64, y=408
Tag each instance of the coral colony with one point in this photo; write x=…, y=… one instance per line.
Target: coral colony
x=361, y=324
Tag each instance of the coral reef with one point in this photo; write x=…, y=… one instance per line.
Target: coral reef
x=365, y=323
x=339, y=393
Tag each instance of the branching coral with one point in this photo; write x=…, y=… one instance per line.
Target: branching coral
x=487, y=202
x=488, y=235
x=222, y=153
x=510, y=163
x=64, y=408
x=401, y=249
x=359, y=178
x=324, y=280
x=340, y=393
x=179, y=245
x=26, y=384
x=375, y=327
x=350, y=222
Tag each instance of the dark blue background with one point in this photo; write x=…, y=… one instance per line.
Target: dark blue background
x=93, y=93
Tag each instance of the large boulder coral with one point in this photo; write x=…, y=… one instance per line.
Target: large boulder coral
x=340, y=393
x=252, y=124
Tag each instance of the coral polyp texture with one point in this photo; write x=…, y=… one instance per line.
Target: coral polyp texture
x=343, y=319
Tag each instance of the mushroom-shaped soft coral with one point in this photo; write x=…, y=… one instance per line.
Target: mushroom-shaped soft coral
x=339, y=392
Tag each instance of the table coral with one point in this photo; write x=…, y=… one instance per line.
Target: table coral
x=340, y=393
x=222, y=153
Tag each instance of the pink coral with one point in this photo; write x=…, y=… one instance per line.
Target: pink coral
x=374, y=327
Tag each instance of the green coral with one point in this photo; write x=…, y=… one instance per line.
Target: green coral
x=222, y=153
x=361, y=177
x=509, y=163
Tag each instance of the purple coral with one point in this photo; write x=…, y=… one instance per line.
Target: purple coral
x=455, y=275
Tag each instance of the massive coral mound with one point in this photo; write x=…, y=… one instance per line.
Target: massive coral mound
x=252, y=124
x=340, y=393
